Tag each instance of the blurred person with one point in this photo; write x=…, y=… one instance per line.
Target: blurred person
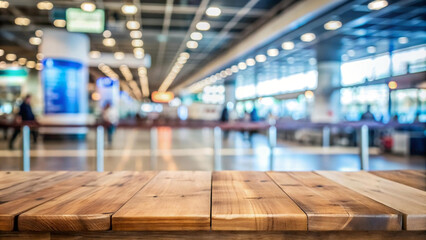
x=25, y=115
x=253, y=115
x=368, y=115
x=224, y=118
x=110, y=118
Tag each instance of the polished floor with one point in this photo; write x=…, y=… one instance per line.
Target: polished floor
x=192, y=149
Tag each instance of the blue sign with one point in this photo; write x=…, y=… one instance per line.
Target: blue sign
x=109, y=90
x=61, y=82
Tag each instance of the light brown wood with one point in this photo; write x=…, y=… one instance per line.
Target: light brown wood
x=171, y=201
x=87, y=208
x=11, y=178
x=252, y=201
x=330, y=206
x=409, y=201
x=412, y=178
x=9, y=210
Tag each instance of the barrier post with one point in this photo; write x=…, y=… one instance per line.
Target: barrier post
x=100, y=148
x=363, y=148
x=217, y=146
x=272, y=135
x=26, y=148
x=153, y=147
x=326, y=136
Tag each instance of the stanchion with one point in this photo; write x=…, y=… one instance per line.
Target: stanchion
x=153, y=146
x=26, y=148
x=100, y=148
x=326, y=136
x=217, y=146
x=272, y=135
x=363, y=148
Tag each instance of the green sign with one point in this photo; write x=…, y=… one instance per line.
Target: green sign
x=87, y=22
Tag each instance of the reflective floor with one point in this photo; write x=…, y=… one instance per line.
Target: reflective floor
x=192, y=149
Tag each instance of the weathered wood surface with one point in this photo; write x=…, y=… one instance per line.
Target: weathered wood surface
x=330, y=206
x=409, y=201
x=170, y=201
x=412, y=178
x=252, y=201
x=87, y=208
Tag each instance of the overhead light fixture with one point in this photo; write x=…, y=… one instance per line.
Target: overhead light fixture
x=137, y=43
x=392, y=85
x=308, y=37
x=250, y=62
x=10, y=57
x=35, y=41
x=39, y=56
x=4, y=4
x=31, y=64
x=287, y=45
x=1, y=52
x=94, y=54
x=88, y=6
x=377, y=4
x=332, y=25
x=351, y=53
x=184, y=55
x=22, y=21
x=192, y=44
x=60, y=23
x=234, y=68
x=242, y=65
x=135, y=34
x=196, y=36
x=138, y=52
x=39, y=66
x=260, y=58
x=371, y=49
x=44, y=5
x=403, y=40
x=345, y=57
x=39, y=33
x=213, y=11
x=203, y=26
x=22, y=61
x=129, y=9
x=119, y=55
x=272, y=52
x=107, y=34
x=133, y=25
x=109, y=42
x=309, y=94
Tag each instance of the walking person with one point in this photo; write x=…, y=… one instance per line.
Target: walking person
x=25, y=115
x=110, y=118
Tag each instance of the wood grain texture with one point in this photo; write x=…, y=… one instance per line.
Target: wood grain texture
x=87, y=208
x=9, y=210
x=171, y=201
x=252, y=201
x=409, y=201
x=330, y=206
x=412, y=178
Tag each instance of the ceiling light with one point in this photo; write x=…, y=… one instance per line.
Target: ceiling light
x=1, y=52
x=287, y=45
x=272, y=52
x=377, y=4
x=312, y=61
x=39, y=56
x=223, y=74
x=44, y=5
x=332, y=25
x=39, y=66
x=39, y=33
x=22, y=21
x=138, y=52
x=250, y=62
x=88, y=6
x=290, y=60
x=392, y=85
x=184, y=55
x=22, y=61
x=132, y=25
x=371, y=49
x=35, y=40
x=403, y=40
x=345, y=57
x=106, y=34
x=94, y=54
x=228, y=71
x=213, y=11
x=59, y=23
x=203, y=26
x=129, y=9
x=242, y=65
x=31, y=64
x=351, y=53
x=308, y=37
x=4, y=4
x=119, y=55
x=109, y=42
x=135, y=34
x=196, y=36
x=10, y=57
x=234, y=68
x=260, y=58
x=192, y=44
x=137, y=43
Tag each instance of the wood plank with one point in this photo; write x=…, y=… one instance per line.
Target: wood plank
x=412, y=178
x=87, y=208
x=11, y=178
x=171, y=201
x=409, y=201
x=252, y=201
x=330, y=206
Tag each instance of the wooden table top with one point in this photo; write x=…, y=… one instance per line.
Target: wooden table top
x=212, y=201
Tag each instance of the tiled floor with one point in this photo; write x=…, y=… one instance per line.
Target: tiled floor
x=192, y=149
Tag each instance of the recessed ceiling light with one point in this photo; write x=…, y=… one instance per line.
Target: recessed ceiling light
x=137, y=43
x=109, y=42
x=184, y=55
x=192, y=44
x=39, y=56
x=242, y=65
x=272, y=52
x=371, y=49
x=260, y=58
x=1, y=52
x=203, y=26
x=213, y=11
x=132, y=25
x=35, y=40
x=44, y=5
x=377, y=4
x=403, y=40
x=250, y=62
x=308, y=37
x=345, y=57
x=39, y=66
x=119, y=55
x=4, y=4
x=351, y=53
x=22, y=61
x=22, y=21
x=88, y=6
x=287, y=45
x=60, y=23
x=196, y=36
x=39, y=33
x=10, y=57
x=138, y=52
x=94, y=54
x=129, y=9
x=234, y=68
x=332, y=25
x=106, y=34
x=31, y=64
x=135, y=34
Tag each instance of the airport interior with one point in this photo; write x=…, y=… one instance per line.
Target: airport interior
x=210, y=93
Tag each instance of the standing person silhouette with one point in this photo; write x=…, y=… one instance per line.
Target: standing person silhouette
x=25, y=115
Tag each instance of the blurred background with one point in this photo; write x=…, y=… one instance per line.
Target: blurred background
x=213, y=84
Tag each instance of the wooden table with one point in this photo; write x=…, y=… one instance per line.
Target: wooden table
x=213, y=205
